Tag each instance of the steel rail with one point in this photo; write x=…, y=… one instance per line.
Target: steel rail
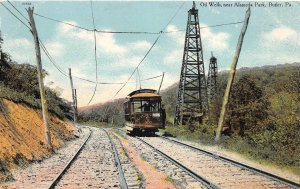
x=239, y=164
x=197, y=177
x=118, y=163
x=68, y=165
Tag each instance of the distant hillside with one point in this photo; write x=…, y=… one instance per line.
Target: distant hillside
x=266, y=76
x=271, y=78
x=102, y=112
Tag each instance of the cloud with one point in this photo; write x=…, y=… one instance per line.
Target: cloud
x=56, y=49
x=21, y=49
x=105, y=41
x=214, y=41
x=279, y=36
x=175, y=34
x=174, y=57
x=140, y=45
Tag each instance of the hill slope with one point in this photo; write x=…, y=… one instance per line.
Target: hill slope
x=21, y=123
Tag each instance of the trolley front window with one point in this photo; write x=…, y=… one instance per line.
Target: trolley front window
x=145, y=106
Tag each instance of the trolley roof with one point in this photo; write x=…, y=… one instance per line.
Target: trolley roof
x=141, y=92
x=145, y=95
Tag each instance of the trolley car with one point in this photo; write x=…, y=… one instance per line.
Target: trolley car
x=144, y=111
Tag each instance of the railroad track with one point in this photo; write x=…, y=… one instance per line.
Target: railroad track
x=64, y=170
x=133, y=177
x=216, y=171
x=196, y=176
x=118, y=163
x=96, y=164
x=239, y=164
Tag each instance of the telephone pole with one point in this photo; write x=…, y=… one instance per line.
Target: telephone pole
x=73, y=96
x=40, y=77
x=231, y=76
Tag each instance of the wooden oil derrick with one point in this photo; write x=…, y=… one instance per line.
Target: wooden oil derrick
x=191, y=102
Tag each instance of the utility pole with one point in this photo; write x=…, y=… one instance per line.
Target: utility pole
x=40, y=77
x=231, y=76
x=73, y=97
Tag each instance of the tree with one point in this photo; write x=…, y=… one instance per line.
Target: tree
x=246, y=106
x=4, y=57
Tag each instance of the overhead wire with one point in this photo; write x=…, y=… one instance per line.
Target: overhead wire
x=148, y=51
x=211, y=26
x=48, y=54
x=95, y=53
x=67, y=23
x=15, y=16
x=95, y=30
x=137, y=66
x=17, y=10
x=132, y=32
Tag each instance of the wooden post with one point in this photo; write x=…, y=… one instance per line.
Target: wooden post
x=73, y=96
x=40, y=78
x=231, y=76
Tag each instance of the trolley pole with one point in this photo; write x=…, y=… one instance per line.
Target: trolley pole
x=162, y=79
x=231, y=76
x=73, y=96
x=76, y=109
x=40, y=78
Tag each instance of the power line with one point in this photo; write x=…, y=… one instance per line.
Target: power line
x=53, y=61
x=17, y=10
x=148, y=51
x=67, y=23
x=96, y=30
x=132, y=32
x=80, y=78
x=138, y=65
x=95, y=53
x=212, y=26
x=15, y=16
x=173, y=17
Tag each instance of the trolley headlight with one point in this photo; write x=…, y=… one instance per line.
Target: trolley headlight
x=156, y=114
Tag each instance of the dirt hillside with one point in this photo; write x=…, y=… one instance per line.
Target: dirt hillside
x=22, y=136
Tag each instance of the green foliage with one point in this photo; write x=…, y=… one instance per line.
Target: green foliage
x=263, y=114
x=200, y=132
x=18, y=97
x=246, y=107
x=19, y=83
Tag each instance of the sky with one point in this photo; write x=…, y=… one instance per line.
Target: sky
x=272, y=38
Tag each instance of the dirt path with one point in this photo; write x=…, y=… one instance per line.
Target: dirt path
x=153, y=178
